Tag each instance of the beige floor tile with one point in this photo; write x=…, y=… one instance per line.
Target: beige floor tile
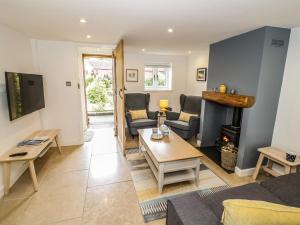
x=12, y=211
x=107, y=169
x=76, y=221
x=104, y=142
x=70, y=160
x=57, y=182
x=64, y=203
x=114, y=204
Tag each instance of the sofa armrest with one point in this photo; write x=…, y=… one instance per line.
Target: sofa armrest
x=153, y=115
x=172, y=115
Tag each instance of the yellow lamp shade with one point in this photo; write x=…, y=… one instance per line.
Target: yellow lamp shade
x=163, y=104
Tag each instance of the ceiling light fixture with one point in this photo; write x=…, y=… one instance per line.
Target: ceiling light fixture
x=82, y=20
x=170, y=30
x=88, y=36
x=143, y=49
x=190, y=52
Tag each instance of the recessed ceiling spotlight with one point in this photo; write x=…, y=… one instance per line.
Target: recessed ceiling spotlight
x=170, y=30
x=143, y=49
x=190, y=52
x=88, y=36
x=82, y=20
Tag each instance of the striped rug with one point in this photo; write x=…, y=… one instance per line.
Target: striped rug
x=157, y=208
x=153, y=205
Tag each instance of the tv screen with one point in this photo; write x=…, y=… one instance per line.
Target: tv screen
x=25, y=93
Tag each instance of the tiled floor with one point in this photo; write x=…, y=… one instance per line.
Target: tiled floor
x=87, y=185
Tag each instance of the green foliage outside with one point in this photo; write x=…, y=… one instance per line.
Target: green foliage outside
x=99, y=92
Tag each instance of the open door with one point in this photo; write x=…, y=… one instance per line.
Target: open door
x=119, y=126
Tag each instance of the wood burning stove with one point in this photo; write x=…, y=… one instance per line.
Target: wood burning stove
x=231, y=133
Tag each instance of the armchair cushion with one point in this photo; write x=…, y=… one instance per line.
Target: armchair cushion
x=185, y=117
x=178, y=124
x=143, y=123
x=138, y=114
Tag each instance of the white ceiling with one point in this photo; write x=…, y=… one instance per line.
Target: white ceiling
x=144, y=23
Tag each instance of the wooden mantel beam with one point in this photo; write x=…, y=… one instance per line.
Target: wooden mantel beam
x=232, y=100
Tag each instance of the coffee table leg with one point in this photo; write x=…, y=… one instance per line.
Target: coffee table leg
x=197, y=170
x=160, y=177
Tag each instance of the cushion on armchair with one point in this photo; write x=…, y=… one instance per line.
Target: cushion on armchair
x=138, y=114
x=185, y=117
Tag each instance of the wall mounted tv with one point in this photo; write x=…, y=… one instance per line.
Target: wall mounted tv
x=25, y=93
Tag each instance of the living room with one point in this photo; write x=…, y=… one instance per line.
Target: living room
x=238, y=71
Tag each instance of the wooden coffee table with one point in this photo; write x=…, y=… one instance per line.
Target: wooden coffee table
x=171, y=159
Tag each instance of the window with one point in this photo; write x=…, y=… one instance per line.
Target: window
x=158, y=77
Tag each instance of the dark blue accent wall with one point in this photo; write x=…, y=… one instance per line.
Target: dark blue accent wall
x=252, y=65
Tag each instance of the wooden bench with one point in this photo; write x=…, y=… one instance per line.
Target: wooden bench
x=274, y=155
x=33, y=152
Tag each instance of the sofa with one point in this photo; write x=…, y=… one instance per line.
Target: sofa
x=139, y=101
x=188, y=104
x=191, y=209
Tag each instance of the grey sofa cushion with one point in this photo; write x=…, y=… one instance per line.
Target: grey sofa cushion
x=143, y=123
x=178, y=124
x=286, y=188
x=190, y=210
x=250, y=191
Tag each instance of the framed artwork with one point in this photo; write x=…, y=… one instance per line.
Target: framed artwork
x=132, y=75
x=201, y=74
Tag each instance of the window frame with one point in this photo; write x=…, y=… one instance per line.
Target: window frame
x=156, y=68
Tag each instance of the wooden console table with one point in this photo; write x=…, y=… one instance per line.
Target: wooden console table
x=33, y=152
x=274, y=155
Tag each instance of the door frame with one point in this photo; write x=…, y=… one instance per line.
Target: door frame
x=83, y=56
x=117, y=95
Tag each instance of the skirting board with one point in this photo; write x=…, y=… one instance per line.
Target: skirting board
x=244, y=172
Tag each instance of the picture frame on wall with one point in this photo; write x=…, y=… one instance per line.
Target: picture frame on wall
x=132, y=75
x=201, y=74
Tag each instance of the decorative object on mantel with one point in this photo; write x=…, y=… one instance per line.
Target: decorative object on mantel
x=201, y=74
x=132, y=75
x=241, y=101
x=229, y=156
x=233, y=91
x=223, y=88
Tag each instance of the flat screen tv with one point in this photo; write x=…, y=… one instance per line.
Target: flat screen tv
x=25, y=93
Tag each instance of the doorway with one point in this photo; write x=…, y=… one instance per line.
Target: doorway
x=98, y=79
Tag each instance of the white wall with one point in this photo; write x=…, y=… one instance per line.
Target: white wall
x=179, y=70
x=196, y=60
x=15, y=56
x=286, y=131
x=184, y=75
x=58, y=62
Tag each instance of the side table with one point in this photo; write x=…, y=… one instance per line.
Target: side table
x=274, y=155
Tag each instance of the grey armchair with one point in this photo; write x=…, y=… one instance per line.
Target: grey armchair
x=188, y=104
x=139, y=101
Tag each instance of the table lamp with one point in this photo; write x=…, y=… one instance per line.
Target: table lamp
x=163, y=104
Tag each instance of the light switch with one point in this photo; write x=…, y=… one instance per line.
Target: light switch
x=68, y=83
